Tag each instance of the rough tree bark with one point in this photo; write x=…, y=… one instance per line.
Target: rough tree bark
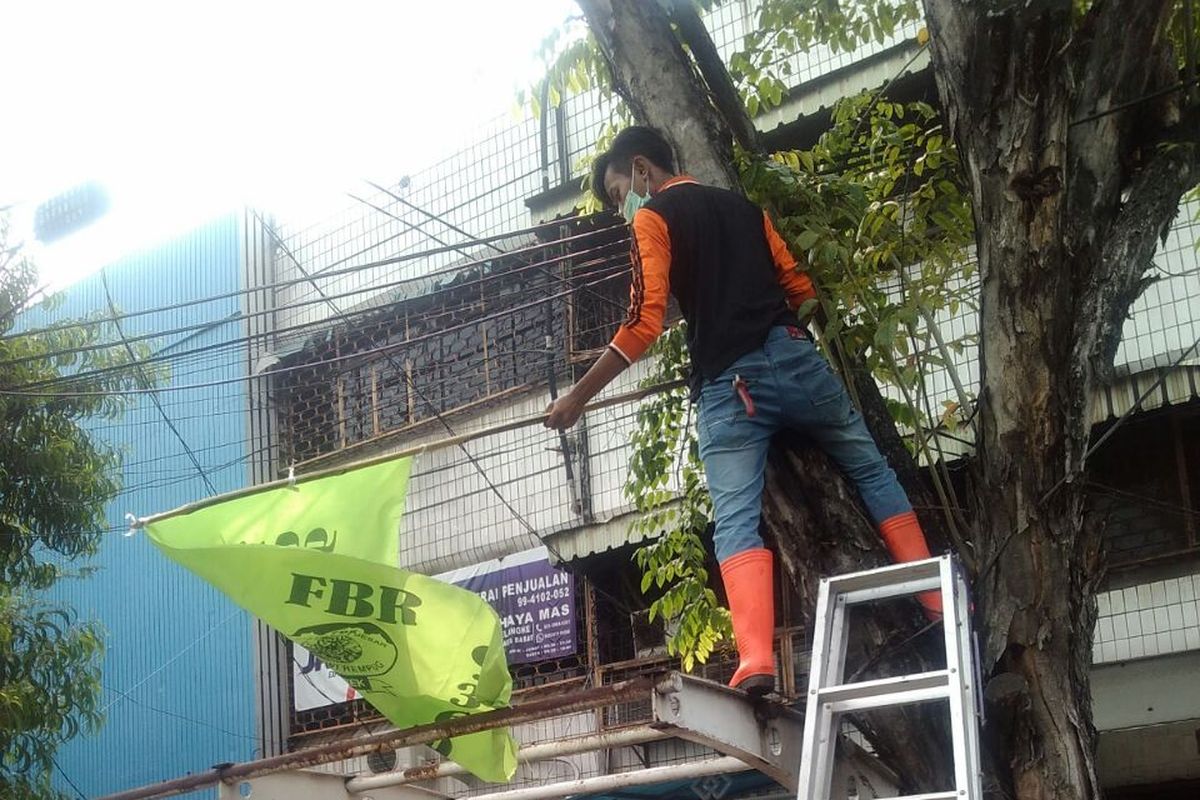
x=1071, y=192
x=811, y=515
x=1067, y=214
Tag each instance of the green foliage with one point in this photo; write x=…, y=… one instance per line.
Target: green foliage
x=877, y=212
x=666, y=485
x=1178, y=30
x=49, y=691
x=762, y=69
x=618, y=119
x=573, y=64
x=55, y=480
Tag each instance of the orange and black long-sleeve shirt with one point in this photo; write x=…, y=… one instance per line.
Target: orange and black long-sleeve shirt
x=726, y=265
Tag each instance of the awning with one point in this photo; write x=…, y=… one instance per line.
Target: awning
x=599, y=537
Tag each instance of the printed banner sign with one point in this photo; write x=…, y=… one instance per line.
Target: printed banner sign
x=315, y=685
x=535, y=601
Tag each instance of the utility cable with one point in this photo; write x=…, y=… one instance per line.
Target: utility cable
x=375, y=288
x=66, y=777
x=288, y=282
x=461, y=445
x=145, y=380
x=606, y=272
x=474, y=240
x=564, y=442
x=181, y=717
x=417, y=228
x=29, y=390
x=609, y=267
x=173, y=658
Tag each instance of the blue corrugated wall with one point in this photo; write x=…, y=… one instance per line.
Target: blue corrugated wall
x=179, y=686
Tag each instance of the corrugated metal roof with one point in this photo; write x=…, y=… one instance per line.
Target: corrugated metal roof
x=576, y=543
x=822, y=92
x=1181, y=385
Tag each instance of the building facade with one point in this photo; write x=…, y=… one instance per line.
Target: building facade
x=459, y=299
x=178, y=687
x=458, y=363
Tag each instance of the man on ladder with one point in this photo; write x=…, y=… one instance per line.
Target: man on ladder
x=755, y=370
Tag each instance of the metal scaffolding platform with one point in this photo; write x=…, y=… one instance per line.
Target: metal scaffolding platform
x=728, y=733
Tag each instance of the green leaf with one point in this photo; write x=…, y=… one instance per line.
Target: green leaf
x=807, y=239
x=885, y=335
x=808, y=308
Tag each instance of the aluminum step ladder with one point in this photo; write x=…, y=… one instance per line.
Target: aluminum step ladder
x=829, y=697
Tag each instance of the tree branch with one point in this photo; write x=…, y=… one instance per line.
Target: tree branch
x=1119, y=55
x=712, y=67
x=1119, y=275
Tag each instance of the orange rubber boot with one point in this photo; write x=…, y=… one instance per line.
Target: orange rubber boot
x=750, y=586
x=905, y=541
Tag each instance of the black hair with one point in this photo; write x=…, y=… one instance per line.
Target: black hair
x=636, y=140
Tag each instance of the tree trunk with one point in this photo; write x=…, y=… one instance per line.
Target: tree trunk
x=811, y=514
x=1061, y=256
x=653, y=76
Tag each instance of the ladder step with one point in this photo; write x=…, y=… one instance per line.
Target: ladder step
x=899, y=589
x=887, y=576
x=917, y=688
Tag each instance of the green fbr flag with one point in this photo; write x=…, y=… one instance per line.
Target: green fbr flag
x=316, y=561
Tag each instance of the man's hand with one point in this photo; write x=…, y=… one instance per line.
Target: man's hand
x=564, y=412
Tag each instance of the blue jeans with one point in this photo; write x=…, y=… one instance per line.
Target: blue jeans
x=792, y=386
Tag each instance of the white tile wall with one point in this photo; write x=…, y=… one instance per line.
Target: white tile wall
x=1151, y=619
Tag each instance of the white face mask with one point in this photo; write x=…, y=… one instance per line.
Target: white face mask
x=633, y=200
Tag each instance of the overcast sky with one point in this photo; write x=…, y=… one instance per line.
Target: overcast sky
x=183, y=110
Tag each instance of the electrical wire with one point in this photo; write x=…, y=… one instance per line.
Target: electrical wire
x=482, y=472
x=352, y=270
x=564, y=442
x=30, y=389
x=600, y=277
x=181, y=717
x=435, y=474
x=180, y=654
x=153, y=396
x=1102, y=490
x=1130, y=104
x=66, y=777
x=547, y=273
x=599, y=269
x=372, y=289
